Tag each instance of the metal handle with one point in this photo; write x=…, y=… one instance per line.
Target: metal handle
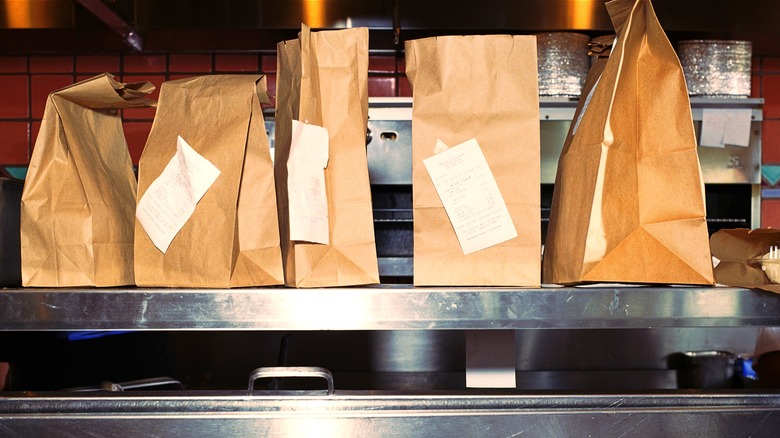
x=270, y=372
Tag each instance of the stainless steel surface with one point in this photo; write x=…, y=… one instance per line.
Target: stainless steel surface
x=598, y=381
x=627, y=349
x=560, y=359
x=285, y=372
x=396, y=266
x=755, y=207
x=471, y=413
x=389, y=152
x=731, y=164
x=389, y=159
x=385, y=308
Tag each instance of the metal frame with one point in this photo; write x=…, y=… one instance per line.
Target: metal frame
x=390, y=415
x=386, y=307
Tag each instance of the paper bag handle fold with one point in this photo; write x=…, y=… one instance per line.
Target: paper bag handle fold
x=104, y=92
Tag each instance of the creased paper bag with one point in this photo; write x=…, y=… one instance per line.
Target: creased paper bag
x=628, y=204
x=78, y=201
x=739, y=252
x=322, y=80
x=481, y=88
x=231, y=238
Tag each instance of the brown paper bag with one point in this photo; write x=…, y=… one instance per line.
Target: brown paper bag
x=232, y=238
x=629, y=204
x=322, y=79
x=738, y=250
x=79, y=195
x=483, y=88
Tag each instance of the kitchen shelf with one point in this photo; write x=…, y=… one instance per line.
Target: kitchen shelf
x=386, y=307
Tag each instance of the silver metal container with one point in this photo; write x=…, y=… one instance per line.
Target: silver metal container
x=704, y=369
x=563, y=63
x=719, y=68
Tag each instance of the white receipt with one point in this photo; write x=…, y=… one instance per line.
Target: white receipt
x=721, y=127
x=170, y=199
x=470, y=196
x=306, y=190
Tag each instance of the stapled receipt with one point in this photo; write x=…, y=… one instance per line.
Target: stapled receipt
x=171, y=198
x=470, y=196
x=306, y=190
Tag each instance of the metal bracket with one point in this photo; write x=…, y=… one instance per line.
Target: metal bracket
x=114, y=21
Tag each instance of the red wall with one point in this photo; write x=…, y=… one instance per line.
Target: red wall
x=766, y=84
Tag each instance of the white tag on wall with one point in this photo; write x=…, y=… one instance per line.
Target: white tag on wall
x=306, y=189
x=171, y=199
x=470, y=196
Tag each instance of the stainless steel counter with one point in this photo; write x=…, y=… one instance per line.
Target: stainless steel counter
x=386, y=307
x=471, y=413
x=410, y=413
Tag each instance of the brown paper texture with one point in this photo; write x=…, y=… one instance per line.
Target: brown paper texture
x=482, y=87
x=322, y=79
x=736, y=250
x=629, y=204
x=232, y=238
x=78, y=203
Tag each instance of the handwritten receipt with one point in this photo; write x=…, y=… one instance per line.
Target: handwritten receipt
x=171, y=198
x=470, y=196
x=306, y=190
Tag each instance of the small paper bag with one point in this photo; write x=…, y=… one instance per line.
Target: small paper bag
x=628, y=204
x=747, y=258
x=231, y=238
x=481, y=89
x=78, y=201
x=322, y=80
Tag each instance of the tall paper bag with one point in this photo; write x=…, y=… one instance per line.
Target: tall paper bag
x=232, y=237
x=322, y=80
x=78, y=201
x=483, y=88
x=628, y=204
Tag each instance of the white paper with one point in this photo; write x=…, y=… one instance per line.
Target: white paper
x=738, y=127
x=306, y=190
x=470, y=196
x=171, y=198
x=721, y=127
x=490, y=359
